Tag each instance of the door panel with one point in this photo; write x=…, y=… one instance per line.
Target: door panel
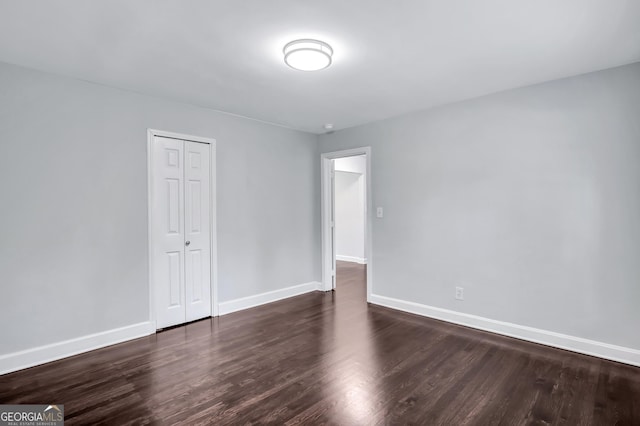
x=174, y=274
x=194, y=208
x=197, y=267
x=173, y=206
x=168, y=231
x=198, y=234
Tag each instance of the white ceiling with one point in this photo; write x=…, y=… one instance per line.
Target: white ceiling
x=391, y=57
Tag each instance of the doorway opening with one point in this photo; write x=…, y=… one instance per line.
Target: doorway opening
x=346, y=218
x=350, y=200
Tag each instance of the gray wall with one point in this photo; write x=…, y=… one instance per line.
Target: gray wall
x=529, y=199
x=73, y=229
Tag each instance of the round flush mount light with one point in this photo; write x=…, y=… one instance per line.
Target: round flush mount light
x=307, y=54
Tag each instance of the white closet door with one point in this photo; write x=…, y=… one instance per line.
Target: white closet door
x=168, y=231
x=197, y=231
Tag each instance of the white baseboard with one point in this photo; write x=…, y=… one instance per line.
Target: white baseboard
x=52, y=352
x=360, y=260
x=544, y=337
x=268, y=297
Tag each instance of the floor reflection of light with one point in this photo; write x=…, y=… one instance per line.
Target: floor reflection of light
x=358, y=397
x=352, y=363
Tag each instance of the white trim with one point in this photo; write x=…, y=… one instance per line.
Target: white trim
x=181, y=136
x=213, y=171
x=325, y=218
x=268, y=297
x=325, y=161
x=360, y=260
x=349, y=171
x=544, y=337
x=30, y=357
x=151, y=134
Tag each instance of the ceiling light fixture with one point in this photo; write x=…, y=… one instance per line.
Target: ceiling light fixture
x=307, y=54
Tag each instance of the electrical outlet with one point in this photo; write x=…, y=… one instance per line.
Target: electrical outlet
x=459, y=293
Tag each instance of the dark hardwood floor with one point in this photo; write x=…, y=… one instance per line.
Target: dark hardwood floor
x=330, y=358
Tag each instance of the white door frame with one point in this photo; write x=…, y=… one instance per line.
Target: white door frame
x=151, y=134
x=326, y=205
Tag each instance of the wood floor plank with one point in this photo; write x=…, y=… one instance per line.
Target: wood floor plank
x=330, y=358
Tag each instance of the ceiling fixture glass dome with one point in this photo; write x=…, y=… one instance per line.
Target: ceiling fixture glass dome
x=307, y=54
